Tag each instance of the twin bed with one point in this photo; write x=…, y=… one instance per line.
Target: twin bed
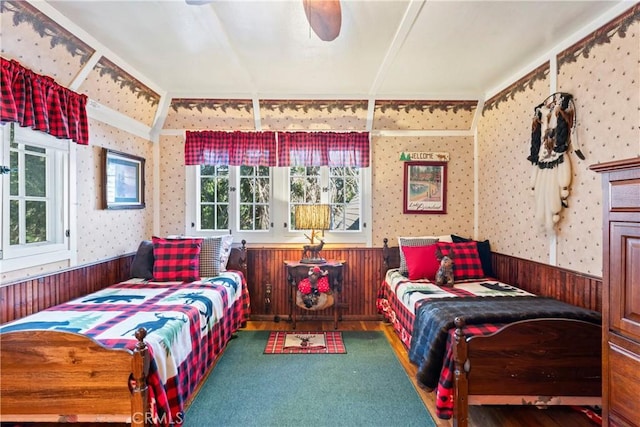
x=135, y=352
x=487, y=342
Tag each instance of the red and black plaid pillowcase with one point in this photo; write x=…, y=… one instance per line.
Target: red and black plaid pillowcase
x=176, y=259
x=466, y=261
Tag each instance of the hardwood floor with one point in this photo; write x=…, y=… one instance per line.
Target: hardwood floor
x=480, y=416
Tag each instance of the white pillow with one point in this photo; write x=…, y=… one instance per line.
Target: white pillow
x=225, y=251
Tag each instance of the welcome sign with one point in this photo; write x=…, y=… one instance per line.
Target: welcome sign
x=413, y=156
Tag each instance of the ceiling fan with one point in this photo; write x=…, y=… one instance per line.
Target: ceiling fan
x=324, y=16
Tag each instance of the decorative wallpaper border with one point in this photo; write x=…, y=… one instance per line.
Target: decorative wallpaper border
x=520, y=85
x=46, y=27
x=212, y=104
x=601, y=36
x=316, y=104
x=279, y=105
x=430, y=106
x=125, y=80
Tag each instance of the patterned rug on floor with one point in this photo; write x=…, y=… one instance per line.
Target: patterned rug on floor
x=293, y=342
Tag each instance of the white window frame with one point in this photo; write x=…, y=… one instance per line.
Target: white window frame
x=279, y=233
x=61, y=240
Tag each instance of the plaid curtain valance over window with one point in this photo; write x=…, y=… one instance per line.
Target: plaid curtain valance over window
x=349, y=149
x=230, y=148
x=37, y=101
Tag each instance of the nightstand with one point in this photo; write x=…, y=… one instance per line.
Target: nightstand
x=297, y=271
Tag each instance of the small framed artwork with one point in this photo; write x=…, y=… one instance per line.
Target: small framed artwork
x=123, y=180
x=425, y=188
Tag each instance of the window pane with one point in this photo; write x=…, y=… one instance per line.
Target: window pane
x=13, y=176
x=262, y=217
x=222, y=217
x=35, y=176
x=222, y=190
x=247, y=190
x=344, y=196
x=337, y=190
x=214, y=197
x=263, y=190
x=36, y=221
x=299, y=171
x=207, y=190
x=14, y=222
x=207, y=170
x=246, y=217
x=35, y=149
x=297, y=190
x=207, y=217
x=255, y=187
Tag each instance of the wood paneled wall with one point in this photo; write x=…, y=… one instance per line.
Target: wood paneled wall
x=362, y=276
x=20, y=299
x=549, y=281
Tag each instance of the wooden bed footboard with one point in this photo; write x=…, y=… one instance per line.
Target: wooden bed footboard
x=531, y=362
x=57, y=376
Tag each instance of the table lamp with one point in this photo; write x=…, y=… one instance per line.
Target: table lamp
x=314, y=218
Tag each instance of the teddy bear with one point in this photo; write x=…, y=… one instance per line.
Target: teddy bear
x=444, y=275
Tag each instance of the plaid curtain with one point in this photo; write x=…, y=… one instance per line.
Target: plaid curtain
x=230, y=148
x=323, y=149
x=37, y=101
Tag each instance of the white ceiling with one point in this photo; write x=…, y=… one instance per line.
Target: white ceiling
x=403, y=49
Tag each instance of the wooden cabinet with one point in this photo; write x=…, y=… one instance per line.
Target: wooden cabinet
x=621, y=292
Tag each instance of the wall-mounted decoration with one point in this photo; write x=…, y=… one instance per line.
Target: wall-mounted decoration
x=425, y=188
x=123, y=180
x=553, y=123
x=414, y=156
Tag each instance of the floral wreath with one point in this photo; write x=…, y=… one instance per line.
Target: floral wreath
x=306, y=287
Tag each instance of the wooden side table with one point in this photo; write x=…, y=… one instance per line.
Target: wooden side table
x=296, y=271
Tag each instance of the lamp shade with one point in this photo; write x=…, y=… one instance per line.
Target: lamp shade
x=312, y=217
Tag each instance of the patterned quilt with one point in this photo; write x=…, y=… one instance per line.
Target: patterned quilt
x=398, y=297
x=188, y=326
x=422, y=314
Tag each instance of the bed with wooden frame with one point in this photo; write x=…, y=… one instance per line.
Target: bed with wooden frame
x=62, y=376
x=537, y=361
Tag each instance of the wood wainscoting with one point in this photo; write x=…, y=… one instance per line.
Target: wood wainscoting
x=19, y=299
x=361, y=280
x=546, y=280
x=362, y=276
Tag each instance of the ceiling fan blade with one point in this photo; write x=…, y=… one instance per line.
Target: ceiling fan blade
x=325, y=17
x=197, y=2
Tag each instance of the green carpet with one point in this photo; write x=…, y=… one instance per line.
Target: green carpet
x=365, y=387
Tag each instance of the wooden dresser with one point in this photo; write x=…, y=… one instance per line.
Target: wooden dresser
x=621, y=292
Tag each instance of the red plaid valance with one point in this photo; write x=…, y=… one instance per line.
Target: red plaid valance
x=292, y=149
x=230, y=148
x=323, y=149
x=37, y=101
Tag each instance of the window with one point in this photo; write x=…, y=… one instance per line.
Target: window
x=35, y=192
x=256, y=203
x=254, y=198
x=339, y=187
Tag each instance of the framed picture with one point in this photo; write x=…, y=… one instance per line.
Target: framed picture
x=425, y=187
x=123, y=180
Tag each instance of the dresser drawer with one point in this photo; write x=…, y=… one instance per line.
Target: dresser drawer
x=624, y=386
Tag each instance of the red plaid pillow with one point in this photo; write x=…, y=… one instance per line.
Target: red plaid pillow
x=466, y=261
x=176, y=259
